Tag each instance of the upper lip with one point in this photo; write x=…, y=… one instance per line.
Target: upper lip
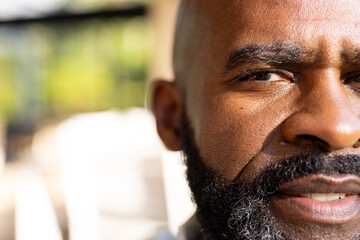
x=321, y=183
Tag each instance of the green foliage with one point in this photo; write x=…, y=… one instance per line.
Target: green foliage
x=97, y=65
x=7, y=89
x=62, y=68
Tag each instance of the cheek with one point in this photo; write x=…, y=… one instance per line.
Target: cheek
x=236, y=130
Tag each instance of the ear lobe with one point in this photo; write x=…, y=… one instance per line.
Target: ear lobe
x=166, y=107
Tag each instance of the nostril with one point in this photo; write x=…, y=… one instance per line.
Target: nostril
x=325, y=129
x=310, y=139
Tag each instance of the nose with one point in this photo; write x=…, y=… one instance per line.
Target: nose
x=325, y=116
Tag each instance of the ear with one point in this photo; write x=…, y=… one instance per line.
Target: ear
x=166, y=107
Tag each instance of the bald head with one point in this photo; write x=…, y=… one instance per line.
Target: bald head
x=191, y=28
x=197, y=37
x=184, y=27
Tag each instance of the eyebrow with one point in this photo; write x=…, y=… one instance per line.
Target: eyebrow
x=274, y=54
x=351, y=56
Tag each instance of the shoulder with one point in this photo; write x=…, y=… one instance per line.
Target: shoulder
x=191, y=230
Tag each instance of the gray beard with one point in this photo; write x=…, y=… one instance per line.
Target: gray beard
x=237, y=210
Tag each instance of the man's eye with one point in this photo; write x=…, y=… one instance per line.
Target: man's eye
x=264, y=76
x=352, y=78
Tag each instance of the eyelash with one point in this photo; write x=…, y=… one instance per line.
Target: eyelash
x=247, y=75
x=350, y=77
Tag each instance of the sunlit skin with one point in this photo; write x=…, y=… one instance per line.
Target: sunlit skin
x=296, y=89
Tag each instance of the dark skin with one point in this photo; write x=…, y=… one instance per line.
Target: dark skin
x=262, y=80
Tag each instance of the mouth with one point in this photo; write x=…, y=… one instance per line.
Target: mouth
x=319, y=198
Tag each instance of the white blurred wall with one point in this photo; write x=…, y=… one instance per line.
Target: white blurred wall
x=116, y=175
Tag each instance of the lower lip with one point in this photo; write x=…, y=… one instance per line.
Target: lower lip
x=337, y=211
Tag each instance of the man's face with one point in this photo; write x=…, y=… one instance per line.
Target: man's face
x=267, y=80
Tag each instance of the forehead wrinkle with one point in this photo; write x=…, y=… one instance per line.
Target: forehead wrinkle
x=275, y=54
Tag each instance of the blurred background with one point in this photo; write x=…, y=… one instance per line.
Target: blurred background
x=79, y=154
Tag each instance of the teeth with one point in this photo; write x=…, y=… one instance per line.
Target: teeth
x=323, y=197
x=306, y=195
x=319, y=197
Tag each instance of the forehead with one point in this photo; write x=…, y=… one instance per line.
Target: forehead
x=258, y=15
x=234, y=23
